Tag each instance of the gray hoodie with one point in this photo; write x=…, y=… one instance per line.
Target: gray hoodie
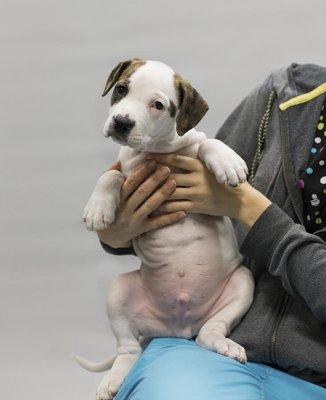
x=286, y=324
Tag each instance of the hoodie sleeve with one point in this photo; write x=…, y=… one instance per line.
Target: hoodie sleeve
x=298, y=258
x=120, y=251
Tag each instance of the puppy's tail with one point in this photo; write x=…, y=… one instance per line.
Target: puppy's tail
x=95, y=367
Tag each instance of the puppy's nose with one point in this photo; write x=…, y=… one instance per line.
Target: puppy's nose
x=123, y=124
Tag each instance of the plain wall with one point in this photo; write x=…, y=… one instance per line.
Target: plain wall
x=55, y=58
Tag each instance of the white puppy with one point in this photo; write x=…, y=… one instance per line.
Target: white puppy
x=191, y=281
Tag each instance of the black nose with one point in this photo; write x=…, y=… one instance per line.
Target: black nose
x=123, y=124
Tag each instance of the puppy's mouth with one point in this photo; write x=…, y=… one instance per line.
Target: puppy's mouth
x=116, y=136
x=120, y=128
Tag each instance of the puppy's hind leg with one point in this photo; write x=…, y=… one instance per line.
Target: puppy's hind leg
x=234, y=303
x=128, y=347
x=129, y=350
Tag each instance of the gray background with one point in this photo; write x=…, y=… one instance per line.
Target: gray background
x=55, y=57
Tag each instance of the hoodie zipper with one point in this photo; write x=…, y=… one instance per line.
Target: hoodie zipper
x=280, y=313
x=288, y=173
x=260, y=142
x=285, y=297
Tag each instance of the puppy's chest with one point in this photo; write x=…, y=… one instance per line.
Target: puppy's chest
x=184, y=232
x=195, y=239
x=132, y=159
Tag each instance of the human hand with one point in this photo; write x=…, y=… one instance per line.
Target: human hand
x=141, y=194
x=198, y=191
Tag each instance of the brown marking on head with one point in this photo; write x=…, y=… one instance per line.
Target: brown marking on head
x=120, y=91
x=122, y=72
x=192, y=107
x=172, y=109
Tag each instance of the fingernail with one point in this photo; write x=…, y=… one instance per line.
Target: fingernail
x=165, y=171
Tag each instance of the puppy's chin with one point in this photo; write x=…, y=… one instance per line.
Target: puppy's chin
x=135, y=142
x=148, y=144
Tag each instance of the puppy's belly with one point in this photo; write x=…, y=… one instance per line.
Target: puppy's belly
x=174, y=312
x=184, y=270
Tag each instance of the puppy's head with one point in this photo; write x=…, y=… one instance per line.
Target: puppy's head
x=149, y=104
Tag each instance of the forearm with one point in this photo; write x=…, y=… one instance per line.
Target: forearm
x=249, y=204
x=287, y=251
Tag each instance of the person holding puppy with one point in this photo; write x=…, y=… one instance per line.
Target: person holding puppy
x=279, y=216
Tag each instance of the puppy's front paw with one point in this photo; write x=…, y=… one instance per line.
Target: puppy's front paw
x=109, y=386
x=223, y=162
x=101, y=207
x=231, y=170
x=99, y=212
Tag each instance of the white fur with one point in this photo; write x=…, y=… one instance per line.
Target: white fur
x=152, y=81
x=166, y=250
x=100, y=210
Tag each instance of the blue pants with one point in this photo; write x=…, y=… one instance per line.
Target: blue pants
x=178, y=369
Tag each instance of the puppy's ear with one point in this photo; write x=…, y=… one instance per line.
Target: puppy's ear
x=192, y=107
x=118, y=71
x=115, y=75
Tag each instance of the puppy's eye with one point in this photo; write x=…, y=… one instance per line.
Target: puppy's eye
x=121, y=90
x=158, y=105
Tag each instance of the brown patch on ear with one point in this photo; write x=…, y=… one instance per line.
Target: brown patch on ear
x=192, y=107
x=123, y=70
x=172, y=109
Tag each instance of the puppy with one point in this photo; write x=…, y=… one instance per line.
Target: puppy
x=191, y=282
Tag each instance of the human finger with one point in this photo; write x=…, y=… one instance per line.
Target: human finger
x=137, y=178
x=183, y=179
x=156, y=199
x=147, y=187
x=175, y=206
x=115, y=166
x=181, y=193
x=176, y=160
x=164, y=219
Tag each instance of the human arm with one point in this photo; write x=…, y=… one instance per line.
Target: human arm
x=297, y=257
x=198, y=191
x=274, y=240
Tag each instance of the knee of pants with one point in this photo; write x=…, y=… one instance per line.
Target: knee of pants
x=186, y=371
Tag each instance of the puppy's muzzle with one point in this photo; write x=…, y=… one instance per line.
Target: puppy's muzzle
x=122, y=125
